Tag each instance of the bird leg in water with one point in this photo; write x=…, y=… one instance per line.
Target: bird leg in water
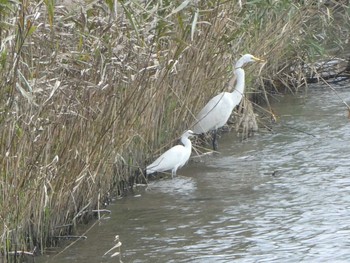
x=215, y=141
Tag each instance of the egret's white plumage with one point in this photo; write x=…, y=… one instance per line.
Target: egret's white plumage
x=217, y=111
x=174, y=158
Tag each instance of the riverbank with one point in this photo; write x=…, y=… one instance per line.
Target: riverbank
x=91, y=94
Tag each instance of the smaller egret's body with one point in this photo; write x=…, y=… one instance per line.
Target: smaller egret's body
x=174, y=158
x=218, y=110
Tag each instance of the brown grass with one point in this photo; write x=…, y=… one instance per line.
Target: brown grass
x=89, y=95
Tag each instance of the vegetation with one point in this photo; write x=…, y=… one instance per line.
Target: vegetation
x=92, y=91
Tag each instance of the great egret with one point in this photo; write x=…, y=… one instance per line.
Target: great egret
x=218, y=110
x=174, y=158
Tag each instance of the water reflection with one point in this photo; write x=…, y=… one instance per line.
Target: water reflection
x=277, y=197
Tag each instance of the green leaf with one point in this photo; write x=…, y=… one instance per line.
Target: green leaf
x=194, y=23
x=32, y=30
x=50, y=10
x=110, y=4
x=179, y=8
x=3, y=58
x=133, y=21
x=24, y=80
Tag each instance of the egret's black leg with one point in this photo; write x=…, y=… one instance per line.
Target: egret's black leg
x=215, y=141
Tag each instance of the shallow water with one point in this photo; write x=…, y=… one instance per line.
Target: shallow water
x=280, y=196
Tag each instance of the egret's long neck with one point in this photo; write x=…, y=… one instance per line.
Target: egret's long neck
x=186, y=142
x=240, y=62
x=240, y=80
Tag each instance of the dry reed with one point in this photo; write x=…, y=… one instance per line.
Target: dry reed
x=91, y=92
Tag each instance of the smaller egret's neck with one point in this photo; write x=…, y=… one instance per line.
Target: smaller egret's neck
x=186, y=142
x=240, y=81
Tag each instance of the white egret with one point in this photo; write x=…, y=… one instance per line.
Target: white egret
x=218, y=110
x=174, y=158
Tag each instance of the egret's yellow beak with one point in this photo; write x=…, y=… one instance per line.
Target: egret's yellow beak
x=258, y=59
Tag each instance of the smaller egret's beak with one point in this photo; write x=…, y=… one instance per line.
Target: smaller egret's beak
x=192, y=134
x=258, y=59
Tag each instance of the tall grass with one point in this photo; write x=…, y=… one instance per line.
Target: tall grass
x=89, y=93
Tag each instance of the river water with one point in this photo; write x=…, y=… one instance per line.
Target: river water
x=279, y=196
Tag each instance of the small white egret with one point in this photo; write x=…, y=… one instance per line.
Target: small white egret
x=174, y=158
x=217, y=111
